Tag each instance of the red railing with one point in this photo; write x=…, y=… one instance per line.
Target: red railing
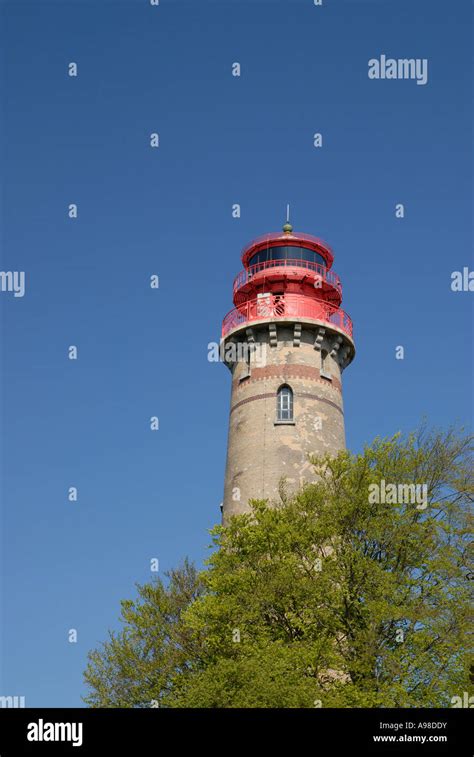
x=272, y=307
x=317, y=268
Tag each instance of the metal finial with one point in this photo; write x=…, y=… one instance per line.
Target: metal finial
x=287, y=226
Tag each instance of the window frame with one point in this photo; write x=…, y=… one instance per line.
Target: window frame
x=285, y=405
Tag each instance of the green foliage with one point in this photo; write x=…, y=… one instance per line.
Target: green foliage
x=327, y=599
x=134, y=667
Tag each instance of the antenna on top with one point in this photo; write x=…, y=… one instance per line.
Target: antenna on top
x=288, y=228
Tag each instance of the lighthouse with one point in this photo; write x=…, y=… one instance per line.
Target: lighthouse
x=286, y=343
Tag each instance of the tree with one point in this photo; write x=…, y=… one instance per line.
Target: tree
x=135, y=666
x=352, y=593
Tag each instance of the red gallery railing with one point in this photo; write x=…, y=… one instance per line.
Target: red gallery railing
x=273, y=307
x=269, y=265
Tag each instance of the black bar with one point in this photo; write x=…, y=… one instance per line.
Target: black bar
x=155, y=731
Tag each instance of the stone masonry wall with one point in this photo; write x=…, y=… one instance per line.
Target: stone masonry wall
x=261, y=452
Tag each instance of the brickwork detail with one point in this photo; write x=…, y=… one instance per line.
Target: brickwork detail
x=287, y=372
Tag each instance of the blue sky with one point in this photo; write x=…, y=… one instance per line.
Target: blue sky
x=223, y=140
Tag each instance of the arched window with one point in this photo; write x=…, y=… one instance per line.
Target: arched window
x=285, y=403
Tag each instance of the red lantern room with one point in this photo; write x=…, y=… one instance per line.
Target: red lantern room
x=287, y=275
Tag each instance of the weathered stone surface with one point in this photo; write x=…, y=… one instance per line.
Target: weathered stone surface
x=261, y=452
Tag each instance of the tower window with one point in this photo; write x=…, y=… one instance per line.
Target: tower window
x=285, y=404
x=325, y=372
x=286, y=252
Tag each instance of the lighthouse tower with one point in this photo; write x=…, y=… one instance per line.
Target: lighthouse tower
x=286, y=343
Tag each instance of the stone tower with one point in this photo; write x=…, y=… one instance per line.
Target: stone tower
x=286, y=343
